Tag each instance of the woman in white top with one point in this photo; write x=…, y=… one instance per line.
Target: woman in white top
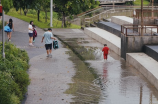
x=30, y=28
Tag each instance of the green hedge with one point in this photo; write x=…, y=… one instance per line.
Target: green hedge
x=14, y=78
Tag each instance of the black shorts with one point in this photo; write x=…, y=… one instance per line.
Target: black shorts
x=48, y=46
x=30, y=34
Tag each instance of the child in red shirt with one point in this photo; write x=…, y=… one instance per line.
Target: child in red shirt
x=105, y=51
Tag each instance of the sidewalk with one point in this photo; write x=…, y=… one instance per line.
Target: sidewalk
x=49, y=76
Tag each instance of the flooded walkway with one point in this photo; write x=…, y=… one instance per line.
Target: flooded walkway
x=98, y=82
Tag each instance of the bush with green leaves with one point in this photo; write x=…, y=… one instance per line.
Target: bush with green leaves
x=14, y=78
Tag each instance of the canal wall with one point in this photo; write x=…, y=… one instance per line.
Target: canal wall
x=133, y=44
x=105, y=37
x=142, y=62
x=146, y=65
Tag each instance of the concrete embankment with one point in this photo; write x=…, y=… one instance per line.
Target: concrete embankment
x=104, y=37
x=145, y=64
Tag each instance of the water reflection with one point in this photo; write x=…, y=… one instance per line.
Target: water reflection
x=83, y=89
x=122, y=84
x=111, y=82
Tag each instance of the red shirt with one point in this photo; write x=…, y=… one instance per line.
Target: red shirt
x=105, y=50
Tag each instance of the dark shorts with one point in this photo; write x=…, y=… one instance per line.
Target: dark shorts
x=48, y=46
x=30, y=34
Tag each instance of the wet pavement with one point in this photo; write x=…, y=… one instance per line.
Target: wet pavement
x=99, y=82
x=77, y=74
x=49, y=76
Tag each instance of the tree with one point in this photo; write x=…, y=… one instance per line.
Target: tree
x=45, y=5
x=37, y=7
x=42, y=5
x=72, y=7
x=7, y=5
x=23, y=4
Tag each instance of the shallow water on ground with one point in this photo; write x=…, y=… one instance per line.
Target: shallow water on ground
x=120, y=83
x=110, y=82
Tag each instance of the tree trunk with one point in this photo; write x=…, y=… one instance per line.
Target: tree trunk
x=38, y=15
x=25, y=11
x=63, y=20
x=20, y=12
x=45, y=16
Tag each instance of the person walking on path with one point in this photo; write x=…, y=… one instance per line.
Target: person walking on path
x=11, y=26
x=30, y=33
x=105, y=51
x=34, y=32
x=48, y=36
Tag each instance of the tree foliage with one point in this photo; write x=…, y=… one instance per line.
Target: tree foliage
x=73, y=7
x=7, y=5
x=43, y=5
x=23, y=4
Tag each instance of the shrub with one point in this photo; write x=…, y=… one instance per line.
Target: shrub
x=13, y=76
x=9, y=90
x=21, y=78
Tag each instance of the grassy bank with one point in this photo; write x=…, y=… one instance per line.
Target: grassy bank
x=138, y=2
x=31, y=16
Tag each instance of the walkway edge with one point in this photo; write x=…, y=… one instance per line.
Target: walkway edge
x=141, y=62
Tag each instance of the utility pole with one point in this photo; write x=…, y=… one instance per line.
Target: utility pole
x=51, y=12
x=3, y=36
x=141, y=17
x=152, y=9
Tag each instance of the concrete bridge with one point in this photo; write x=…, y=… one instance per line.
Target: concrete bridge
x=112, y=1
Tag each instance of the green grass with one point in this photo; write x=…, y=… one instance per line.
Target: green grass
x=31, y=16
x=138, y=2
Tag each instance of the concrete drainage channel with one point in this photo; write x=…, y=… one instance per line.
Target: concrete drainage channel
x=139, y=60
x=96, y=82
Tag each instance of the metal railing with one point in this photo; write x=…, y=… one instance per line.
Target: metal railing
x=147, y=13
x=135, y=30
x=112, y=1
x=107, y=11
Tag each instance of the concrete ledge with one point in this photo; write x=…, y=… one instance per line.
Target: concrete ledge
x=110, y=27
x=120, y=20
x=104, y=37
x=152, y=51
x=141, y=62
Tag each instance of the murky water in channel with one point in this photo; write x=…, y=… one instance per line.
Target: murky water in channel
x=122, y=84
x=111, y=82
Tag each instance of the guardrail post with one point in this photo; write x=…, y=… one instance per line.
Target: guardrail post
x=121, y=29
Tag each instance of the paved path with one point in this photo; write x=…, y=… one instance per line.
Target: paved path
x=49, y=76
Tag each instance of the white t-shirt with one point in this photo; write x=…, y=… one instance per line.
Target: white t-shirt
x=30, y=26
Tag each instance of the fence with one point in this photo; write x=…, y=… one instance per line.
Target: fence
x=112, y=1
x=107, y=11
x=133, y=30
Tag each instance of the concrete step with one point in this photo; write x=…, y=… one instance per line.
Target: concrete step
x=120, y=20
x=110, y=27
x=146, y=65
x=152, y=51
